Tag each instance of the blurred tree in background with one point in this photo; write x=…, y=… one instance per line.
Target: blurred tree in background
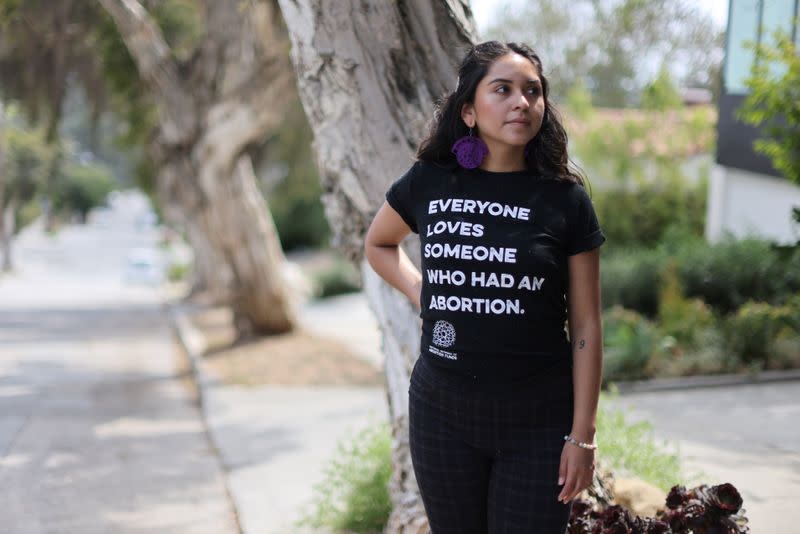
x=23, y=165
x=611, y=44
x=43, y=47
x=661, y=94
x=26, y=158
x=195, y=109
x=292, y=186
x=81, y=188
x=774, y=103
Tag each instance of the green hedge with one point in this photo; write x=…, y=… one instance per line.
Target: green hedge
x=630, y=279
x=686, y=336
x=630, y=342
x=688, y=340
x=764, y=336
x=732, y=272
x=723, y=275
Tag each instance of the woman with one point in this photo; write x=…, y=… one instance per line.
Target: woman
x=502, y=403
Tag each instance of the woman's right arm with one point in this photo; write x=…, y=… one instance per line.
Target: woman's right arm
x=382, y=250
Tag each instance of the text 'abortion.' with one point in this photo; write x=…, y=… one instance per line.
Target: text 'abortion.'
x=476, y=253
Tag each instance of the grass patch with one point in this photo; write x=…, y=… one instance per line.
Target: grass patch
x=630, y=449
x=353, y=494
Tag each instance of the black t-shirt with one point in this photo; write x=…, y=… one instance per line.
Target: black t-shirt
x=494, y=249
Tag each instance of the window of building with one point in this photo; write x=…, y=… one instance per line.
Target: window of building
x=744, y=18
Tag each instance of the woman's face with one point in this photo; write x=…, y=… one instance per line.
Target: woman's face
x=509, y=104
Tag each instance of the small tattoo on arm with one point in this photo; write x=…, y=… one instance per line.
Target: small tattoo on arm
x=581, y=343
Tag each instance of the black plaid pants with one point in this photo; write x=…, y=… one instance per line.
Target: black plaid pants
x=487, y=462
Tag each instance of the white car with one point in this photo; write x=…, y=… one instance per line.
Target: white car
x=144, y=266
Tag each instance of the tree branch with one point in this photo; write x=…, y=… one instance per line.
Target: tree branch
x=152, y=55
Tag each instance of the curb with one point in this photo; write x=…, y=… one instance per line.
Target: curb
x=708, y=381
x=194, y=345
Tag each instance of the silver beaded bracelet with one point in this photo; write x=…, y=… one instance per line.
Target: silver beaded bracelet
x=580, y=443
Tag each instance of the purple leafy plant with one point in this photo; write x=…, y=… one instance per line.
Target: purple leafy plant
x=701, y=510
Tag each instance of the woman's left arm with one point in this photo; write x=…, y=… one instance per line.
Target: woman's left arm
x=583, y=309
x=585, y=333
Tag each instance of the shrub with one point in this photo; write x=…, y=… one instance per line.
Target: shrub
x=729, y=273
x=298, y=214
x=706, y=358
x=786, y=350
x=630, y=341
x=341, y=277
x=177, y=271
x=724, y=275
x=679, y=317
x=354, y=494
x=757, y=329
x=630, y=279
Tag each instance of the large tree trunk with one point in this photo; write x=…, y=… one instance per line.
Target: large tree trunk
x=210, y=275
x=369, y=72
x=211, y=109
x=178, y=197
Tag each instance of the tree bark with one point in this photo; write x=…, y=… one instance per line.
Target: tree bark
x=369, y=72
x=229, y=96
x=210, y=274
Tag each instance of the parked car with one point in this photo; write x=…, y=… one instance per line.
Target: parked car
x=144, y=266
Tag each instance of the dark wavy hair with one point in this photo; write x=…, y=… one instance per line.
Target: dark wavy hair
x=548, y=148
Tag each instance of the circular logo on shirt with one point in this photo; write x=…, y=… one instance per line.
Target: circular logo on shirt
x=444, y=334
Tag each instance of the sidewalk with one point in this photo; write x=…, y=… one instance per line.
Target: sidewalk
x=275, y=441
x=99, y=427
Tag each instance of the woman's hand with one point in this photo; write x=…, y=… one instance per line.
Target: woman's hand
x=575, y=471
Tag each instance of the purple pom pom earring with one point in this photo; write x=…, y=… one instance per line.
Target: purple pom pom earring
x=470, y=150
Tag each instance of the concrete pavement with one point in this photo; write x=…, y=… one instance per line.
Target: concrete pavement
x=98, y=432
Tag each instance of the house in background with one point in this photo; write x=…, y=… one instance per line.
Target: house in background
x=747, y=196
